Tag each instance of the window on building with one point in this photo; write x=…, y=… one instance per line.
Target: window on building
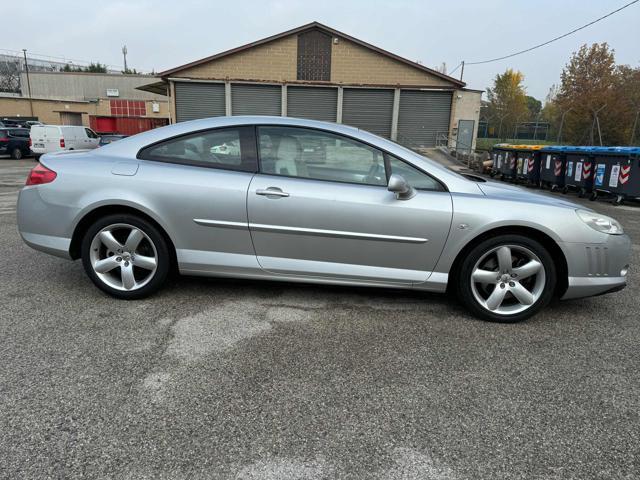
x=128, y=108
x=314, y=56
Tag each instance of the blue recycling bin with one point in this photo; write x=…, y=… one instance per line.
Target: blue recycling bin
x=552, y=166
x=617, y=172
x=579, y=170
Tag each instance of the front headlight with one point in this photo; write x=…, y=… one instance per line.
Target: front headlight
x=601, y=223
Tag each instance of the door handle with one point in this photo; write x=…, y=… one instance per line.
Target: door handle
x=276, y=192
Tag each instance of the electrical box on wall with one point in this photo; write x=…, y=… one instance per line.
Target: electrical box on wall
x=113, y=92
x=155, y=107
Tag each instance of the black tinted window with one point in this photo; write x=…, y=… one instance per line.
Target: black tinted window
x=227, y=148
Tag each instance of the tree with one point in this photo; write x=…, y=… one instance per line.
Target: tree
x=587, y=91
x=627, y=103
x=534, y=106
x=92, y=68
x=507, y=102
x=96, y=68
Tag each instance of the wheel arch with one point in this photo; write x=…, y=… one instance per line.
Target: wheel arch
x=549, y=243
x=91, y=216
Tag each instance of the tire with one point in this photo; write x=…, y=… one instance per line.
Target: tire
x=565, y=190
x=16, y=154
x=143, y=277
x=483, y=258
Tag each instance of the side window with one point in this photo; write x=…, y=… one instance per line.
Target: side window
x=306, y=153
x=91, y=133
x=415, y=177
x=227, y=148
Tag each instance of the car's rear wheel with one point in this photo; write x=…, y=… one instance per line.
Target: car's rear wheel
x=507, y=278
x=16, y=154
x=125, y=256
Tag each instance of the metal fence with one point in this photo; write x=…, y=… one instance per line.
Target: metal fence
x=521, y=130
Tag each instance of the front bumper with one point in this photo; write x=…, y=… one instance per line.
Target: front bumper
x=597, y=268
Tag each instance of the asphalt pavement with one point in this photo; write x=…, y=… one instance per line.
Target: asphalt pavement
x=217, y=378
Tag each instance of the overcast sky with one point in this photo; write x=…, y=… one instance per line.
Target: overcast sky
x=162, y=34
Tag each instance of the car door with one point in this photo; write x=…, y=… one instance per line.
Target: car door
x=202, y=197
x=53, y=135
x=320, y=206
x=91, y=138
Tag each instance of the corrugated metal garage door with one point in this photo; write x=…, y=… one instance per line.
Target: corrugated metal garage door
x=312, y=102
x=368, y=109
x=422, y=116
x=256, y=99
x=199, y=100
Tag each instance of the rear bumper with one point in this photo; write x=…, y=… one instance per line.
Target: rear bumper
x=58, y=246
x=597, y=268
x=44, y=226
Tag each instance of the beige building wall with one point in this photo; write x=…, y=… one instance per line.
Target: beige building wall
x=276, y=61
x=48, y=111
x=465, y=106
x=355, y=64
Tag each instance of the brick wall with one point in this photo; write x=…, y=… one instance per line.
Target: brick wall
x=351, y=64
x=48, y=111
x=274, y=61
x=354, y=64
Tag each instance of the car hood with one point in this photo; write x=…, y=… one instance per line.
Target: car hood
x=512, y=192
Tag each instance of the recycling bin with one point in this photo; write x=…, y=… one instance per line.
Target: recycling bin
x=617, y=172
x=579, y=170
x=528, y=164
x=498, y=155
x=508, y=165
x=552, y=163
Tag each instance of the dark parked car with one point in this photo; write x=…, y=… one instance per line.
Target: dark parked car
x=10, y=123
x=15, y=142
x=107, y=139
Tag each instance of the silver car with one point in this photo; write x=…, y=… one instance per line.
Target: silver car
x=307, y=201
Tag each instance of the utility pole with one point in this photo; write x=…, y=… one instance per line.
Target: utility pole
x=462, y=71
x=26, y=69
x=124, y=53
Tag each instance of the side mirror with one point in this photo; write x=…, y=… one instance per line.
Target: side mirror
x=399, y=186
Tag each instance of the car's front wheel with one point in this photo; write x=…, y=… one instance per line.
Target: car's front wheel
x=16, y=154
x=125, y=256
x=507, y=278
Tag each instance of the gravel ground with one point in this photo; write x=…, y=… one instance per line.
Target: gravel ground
x=247, y=380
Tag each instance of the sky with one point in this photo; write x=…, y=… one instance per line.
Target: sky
x=162, y=34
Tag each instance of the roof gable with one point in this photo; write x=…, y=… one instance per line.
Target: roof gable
x=311, y=26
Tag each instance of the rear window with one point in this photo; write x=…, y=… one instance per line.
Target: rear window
x=20, y=133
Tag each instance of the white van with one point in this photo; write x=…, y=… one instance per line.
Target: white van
x=53, y=138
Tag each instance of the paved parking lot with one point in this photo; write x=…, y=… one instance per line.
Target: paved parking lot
x=247, y=380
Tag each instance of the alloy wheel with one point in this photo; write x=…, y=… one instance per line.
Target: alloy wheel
x=508, y=279
x=123, y=257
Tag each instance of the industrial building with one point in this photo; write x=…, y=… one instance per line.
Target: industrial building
x=317, y=72
x=106, y=102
